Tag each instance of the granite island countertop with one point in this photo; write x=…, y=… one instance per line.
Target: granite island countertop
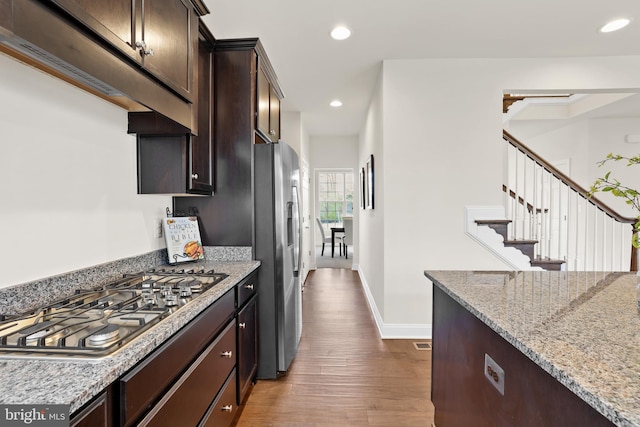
x=583, y=328
x=75, y=382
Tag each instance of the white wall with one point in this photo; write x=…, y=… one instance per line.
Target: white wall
x=67, y=179
x=291, y=130
x=607, y=136
x=441, y=150
x=371, y=239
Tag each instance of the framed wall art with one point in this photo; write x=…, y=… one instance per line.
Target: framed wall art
x=370, y=193
x=363, y=192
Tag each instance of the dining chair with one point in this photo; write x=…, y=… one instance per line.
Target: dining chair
x=325, y=238
x=347, y=238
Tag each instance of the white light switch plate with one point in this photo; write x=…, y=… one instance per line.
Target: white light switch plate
x=494, y=373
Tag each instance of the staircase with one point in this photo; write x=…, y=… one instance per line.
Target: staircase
x=500, y=226
x=549, y=222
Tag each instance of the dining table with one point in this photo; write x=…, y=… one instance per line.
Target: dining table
x=335, y=230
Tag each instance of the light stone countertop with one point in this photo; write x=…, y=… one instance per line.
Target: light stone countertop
x=75, y=382
x=583, y=328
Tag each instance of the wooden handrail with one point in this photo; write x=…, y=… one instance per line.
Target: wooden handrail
x=566, y=180
x=577, y=188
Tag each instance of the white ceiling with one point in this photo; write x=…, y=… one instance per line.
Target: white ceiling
x=313, y=69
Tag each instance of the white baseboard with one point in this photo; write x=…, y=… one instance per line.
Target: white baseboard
x=393, y=331
x=407, y=332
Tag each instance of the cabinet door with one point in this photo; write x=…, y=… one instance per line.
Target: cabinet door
x=116, y=21
x=162, y=164
x=247, y=347
x=200, y=168
x=171, y=31
x=274, y=115
x=264, y=91
x=168, y=28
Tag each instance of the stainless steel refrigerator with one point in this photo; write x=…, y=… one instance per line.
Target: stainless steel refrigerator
x=277, y=246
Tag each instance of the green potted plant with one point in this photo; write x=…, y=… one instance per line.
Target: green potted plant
x=608, y=184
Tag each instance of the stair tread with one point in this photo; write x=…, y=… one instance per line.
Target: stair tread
x=520, y=242
x=547, y=261
x=492, y=221
x=548, y=264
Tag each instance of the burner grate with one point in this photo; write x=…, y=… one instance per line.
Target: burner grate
x=95, y=323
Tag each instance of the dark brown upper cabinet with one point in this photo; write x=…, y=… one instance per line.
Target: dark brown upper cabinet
x=171, y=159
x=160, y=35
x=138, y=54
x=227, y=219
x=201, y=157
x=268, y=114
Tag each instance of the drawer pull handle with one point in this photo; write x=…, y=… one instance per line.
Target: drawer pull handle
x=226, y=354
x=227, y=408
x=249, y=286
x=242, y=325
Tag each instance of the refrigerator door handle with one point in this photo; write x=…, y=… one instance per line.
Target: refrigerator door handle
x=295, y=216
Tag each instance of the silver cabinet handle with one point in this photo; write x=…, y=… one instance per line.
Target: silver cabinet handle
x=249, y=286
x=227, y=408
x=226, y=354
x=242, y=325
x=144, y=49
x=272, y=132
x=194, y=176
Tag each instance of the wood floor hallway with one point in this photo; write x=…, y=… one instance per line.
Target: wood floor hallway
x=344, y=374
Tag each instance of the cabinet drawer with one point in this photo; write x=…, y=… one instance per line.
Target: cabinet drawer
x=223, y=410
x=247, y=288
x=141, y=387
x=187, y=401
x=97, y=414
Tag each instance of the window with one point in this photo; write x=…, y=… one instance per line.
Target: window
x=334, y=196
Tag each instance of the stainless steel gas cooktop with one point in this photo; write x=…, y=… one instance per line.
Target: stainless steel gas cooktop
x=95, y=323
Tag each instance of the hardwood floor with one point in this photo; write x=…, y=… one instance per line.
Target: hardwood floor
x=344, y=374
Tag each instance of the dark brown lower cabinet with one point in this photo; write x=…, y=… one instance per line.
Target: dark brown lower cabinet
x=145, y=384
x=186, y=403
x=247, y=347
x=97, y=413
x=463, y=397
x=198, y=377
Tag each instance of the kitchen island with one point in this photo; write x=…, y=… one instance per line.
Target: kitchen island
x=45, y=380
x=566, y=346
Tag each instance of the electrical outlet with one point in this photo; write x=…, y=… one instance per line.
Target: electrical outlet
x=494, y=373
x=157, y=232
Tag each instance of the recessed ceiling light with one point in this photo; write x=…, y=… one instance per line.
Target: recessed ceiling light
x=336, y=103
x=340, y=33
x=614, y=25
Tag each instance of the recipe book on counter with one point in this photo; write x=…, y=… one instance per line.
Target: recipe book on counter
x=182, y=235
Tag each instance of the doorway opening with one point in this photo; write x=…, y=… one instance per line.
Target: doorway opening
x=334, y=198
